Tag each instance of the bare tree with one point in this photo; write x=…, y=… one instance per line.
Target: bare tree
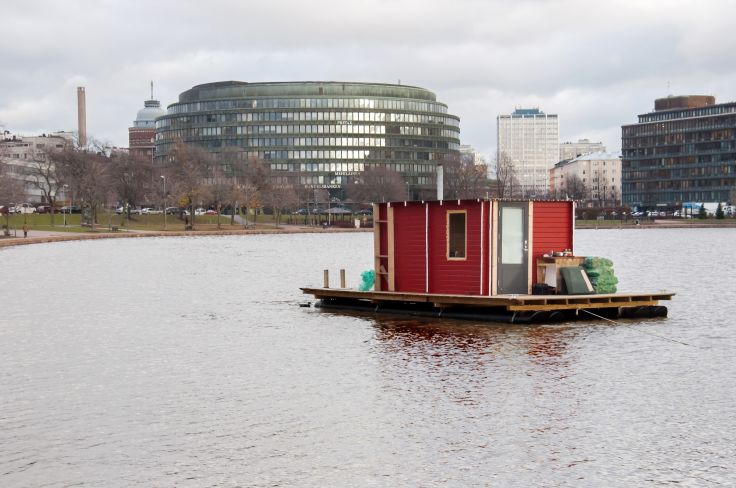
x=321, y=198
x=252, y=182
x=88, y=172
x=131, y=179
x=189, y=170
x=463, y=179
x=377, y=184
x=47, y=175
x=615, y=199
x=220, y=188
x=575, y=188
x=246, y=196
x=507, y=178
x=94, y=183
x=11, y=188
x=281, y=198
x=598, y=188
x=228, y=173
x=304, y=196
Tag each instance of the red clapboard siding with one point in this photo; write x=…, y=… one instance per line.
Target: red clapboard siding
x=409, y=253
x=456, y=277
x=382, y=216
x=552, y=229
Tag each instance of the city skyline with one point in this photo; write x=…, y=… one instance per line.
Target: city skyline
x=481, y=58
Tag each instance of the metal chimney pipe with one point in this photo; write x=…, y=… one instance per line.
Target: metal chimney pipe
x=82, y=116
x=440, y=182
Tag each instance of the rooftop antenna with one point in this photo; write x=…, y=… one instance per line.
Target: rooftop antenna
x=151, y=89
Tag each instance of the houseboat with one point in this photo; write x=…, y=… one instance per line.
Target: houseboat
x=498, y=260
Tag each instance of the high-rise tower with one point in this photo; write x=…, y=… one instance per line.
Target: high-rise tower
x=529, y=140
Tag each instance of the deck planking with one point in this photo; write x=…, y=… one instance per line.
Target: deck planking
x=512, y=303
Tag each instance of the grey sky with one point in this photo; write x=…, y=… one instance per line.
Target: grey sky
x=596, y=64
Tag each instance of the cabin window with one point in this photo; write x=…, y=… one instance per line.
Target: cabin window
x=456, y=234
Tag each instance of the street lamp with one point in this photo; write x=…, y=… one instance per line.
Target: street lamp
x=164, y=178
x=65, y=186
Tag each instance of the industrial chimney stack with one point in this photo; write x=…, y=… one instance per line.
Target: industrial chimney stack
x=82, y=116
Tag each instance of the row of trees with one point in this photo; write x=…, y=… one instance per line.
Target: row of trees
x=55, y=172
x=594, y=192
x=92, y=177
x=191, y=177
x=574, y=187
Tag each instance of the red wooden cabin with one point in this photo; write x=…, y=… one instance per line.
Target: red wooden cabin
x=467, y=247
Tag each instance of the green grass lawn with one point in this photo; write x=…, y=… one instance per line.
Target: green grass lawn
x=107, y=220
x=40, y=221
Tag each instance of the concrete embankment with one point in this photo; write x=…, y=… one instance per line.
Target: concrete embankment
x=36, y=237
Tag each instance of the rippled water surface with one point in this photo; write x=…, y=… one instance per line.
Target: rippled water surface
x=188, y=362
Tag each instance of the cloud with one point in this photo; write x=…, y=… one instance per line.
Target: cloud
x=596, y=64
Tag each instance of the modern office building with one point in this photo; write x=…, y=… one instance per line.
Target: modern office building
x=683, y=151
x=571, y=150
x=142, y=136
x=316, y=134
x=598, y=173
x=530, y=139
x=22, y=154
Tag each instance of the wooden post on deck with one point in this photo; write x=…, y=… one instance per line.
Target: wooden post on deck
x=342, y=278
x=327, y=279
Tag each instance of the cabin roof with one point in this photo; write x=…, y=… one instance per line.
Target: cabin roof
x=471, y=200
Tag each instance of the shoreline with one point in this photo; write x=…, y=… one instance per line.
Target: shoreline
x=65, y=237
x=658, y=225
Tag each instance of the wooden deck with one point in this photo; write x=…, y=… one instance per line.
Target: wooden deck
x=511, y=303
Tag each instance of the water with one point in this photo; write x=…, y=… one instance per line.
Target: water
x=187, y=362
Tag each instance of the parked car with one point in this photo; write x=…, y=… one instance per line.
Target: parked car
x=25, y=208
x=131, y=208
x=199, y=211
x=70, y=209
x=43, y=209
x=210, y=212
x=301, y=211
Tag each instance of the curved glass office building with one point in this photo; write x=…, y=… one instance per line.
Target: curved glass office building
x=316, y=134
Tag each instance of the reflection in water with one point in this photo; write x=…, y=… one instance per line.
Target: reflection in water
x=211, y=375
x=463, y=359
x=545, y=344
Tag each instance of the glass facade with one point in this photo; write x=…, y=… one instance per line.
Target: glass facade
x=680, y=155
x=316, y=134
